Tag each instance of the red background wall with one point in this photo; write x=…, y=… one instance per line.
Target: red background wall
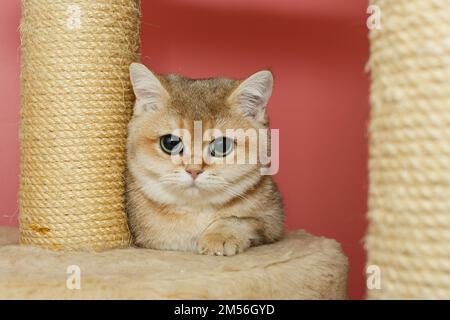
x=317, y=51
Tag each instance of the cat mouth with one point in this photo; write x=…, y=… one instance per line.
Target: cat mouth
x=193, y=190
x=193, y=185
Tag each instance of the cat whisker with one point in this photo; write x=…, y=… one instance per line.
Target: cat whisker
x=241, y=196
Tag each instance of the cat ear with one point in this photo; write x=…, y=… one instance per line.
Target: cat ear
x=149, y=92
x=253, y=94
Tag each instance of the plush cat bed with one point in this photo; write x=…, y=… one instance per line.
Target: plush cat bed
x=299, y=267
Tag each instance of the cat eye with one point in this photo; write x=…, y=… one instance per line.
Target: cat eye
x=171, y=144
x=221, y=147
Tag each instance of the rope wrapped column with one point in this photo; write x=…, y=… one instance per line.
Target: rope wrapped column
x=409, y=194
x=76, y=104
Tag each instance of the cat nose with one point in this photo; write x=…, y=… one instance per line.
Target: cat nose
x=194, y=172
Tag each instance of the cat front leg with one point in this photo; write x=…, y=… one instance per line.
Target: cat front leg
x=229, y=236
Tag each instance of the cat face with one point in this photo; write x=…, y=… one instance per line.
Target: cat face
x=187, y=137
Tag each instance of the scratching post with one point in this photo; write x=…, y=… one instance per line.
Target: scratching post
x=76, y=103
x=409, y=201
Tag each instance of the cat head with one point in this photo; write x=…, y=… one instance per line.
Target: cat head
x=185, y=136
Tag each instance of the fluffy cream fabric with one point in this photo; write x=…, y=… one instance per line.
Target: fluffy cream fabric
x=298, y=267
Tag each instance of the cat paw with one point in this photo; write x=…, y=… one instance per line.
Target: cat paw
x=218, y=244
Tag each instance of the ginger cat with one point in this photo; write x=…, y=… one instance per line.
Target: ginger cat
x=215, y=207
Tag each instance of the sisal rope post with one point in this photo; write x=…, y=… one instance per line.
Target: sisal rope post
x=409, y=193
x=76, y=103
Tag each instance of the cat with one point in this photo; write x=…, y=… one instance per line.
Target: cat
x=205, y=207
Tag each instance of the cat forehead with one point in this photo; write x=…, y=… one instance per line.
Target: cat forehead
x=199, y=98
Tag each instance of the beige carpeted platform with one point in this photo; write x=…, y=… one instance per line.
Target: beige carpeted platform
x=299, y=267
